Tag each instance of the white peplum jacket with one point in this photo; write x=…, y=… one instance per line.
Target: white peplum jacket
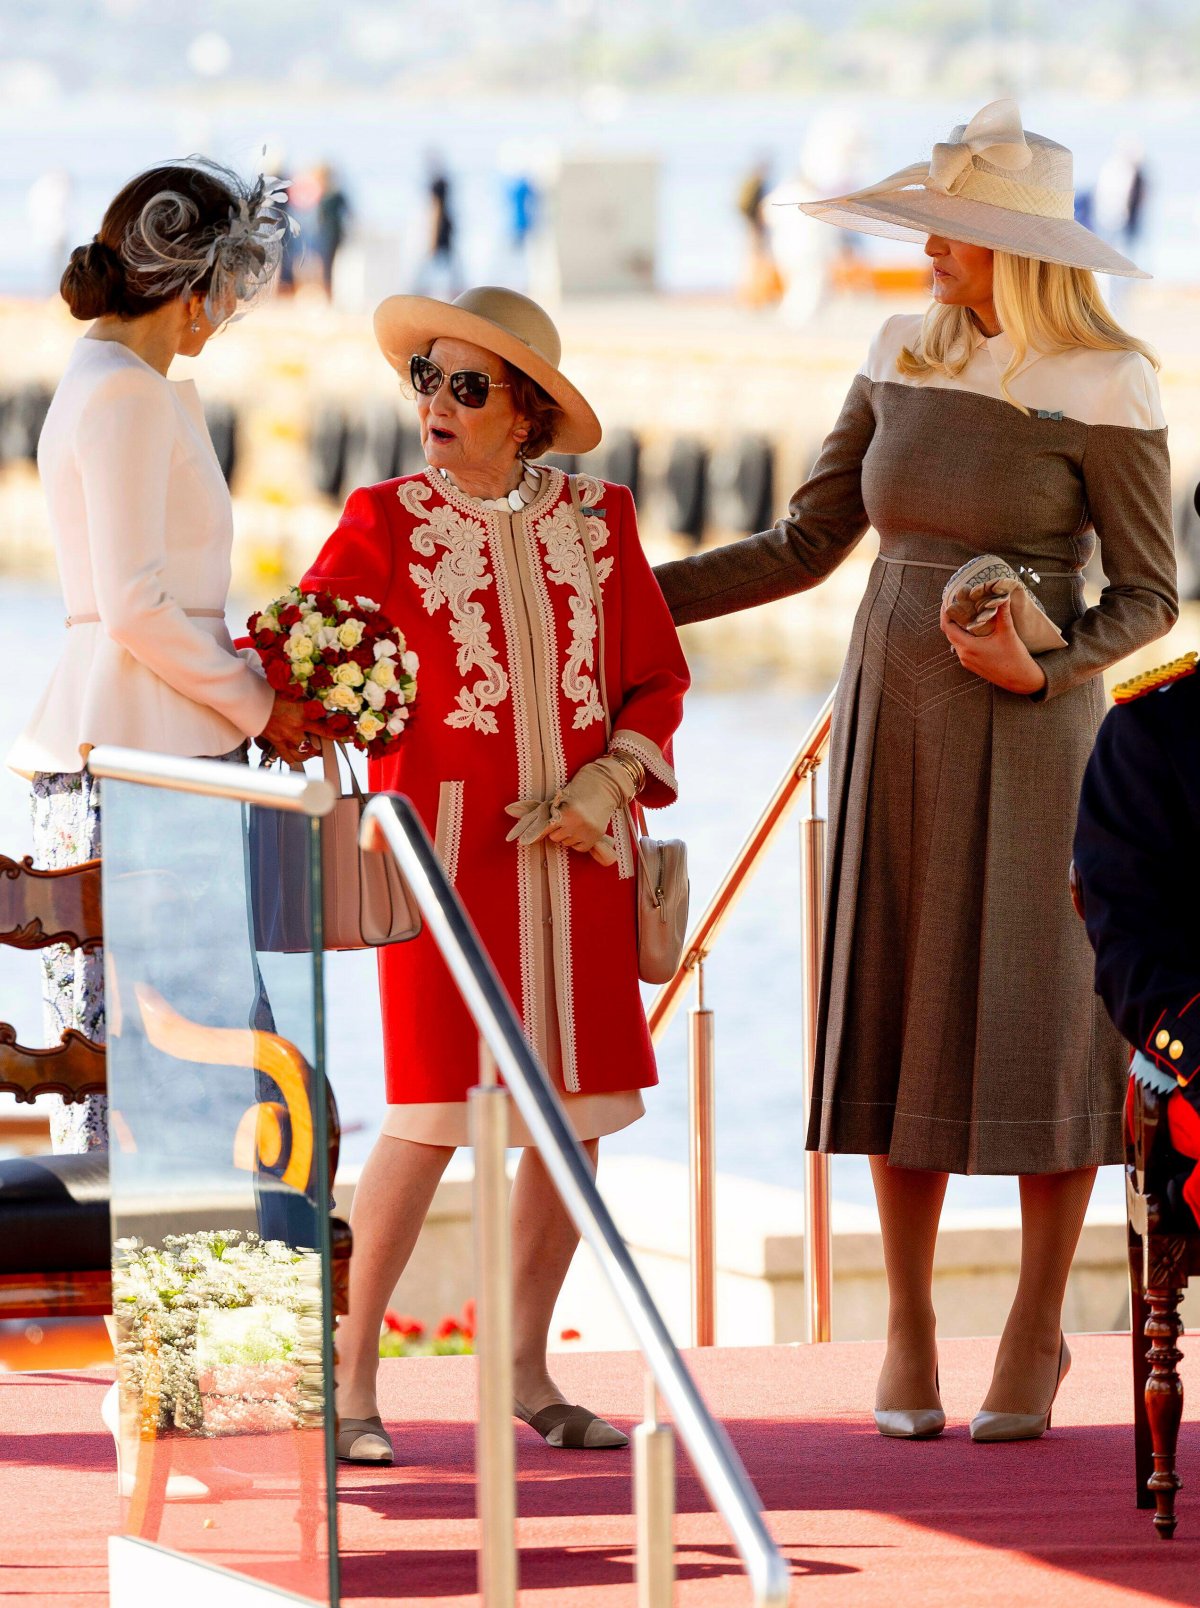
x=143, y=531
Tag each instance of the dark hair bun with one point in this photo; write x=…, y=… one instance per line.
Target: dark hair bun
x=94, y=281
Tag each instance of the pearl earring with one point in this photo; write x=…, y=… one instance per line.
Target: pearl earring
x=195, y=326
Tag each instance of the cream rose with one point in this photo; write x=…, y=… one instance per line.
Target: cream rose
x=348, y=675
x=369, y=726
x=266, y=622
x=350, y=634
x=298, y=647
x=343, y=698
x=384, y=674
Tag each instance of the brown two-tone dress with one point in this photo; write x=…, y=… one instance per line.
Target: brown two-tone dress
x=958, y=1028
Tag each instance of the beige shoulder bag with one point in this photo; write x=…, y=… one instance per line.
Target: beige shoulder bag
x=662, y=876
x=364, y=899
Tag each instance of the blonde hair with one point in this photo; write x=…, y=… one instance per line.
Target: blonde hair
x=1043, y=305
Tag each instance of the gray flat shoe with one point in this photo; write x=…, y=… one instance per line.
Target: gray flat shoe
x=364, y=1440
x=571, y=1428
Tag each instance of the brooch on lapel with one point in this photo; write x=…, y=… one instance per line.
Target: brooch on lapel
x=1044, y=413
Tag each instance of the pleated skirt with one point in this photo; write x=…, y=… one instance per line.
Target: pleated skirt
x=958, y=1025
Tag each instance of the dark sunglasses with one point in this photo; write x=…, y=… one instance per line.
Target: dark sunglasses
x=468, y=386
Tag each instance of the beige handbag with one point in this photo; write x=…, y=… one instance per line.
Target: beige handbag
x=662, y=874
x=974, y=592
x=364, y=899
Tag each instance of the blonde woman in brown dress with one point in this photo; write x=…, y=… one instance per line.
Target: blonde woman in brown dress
x=958, y=1028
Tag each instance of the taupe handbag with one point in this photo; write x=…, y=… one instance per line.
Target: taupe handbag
x=662, y=874
x=975, y=591
x=364, y=899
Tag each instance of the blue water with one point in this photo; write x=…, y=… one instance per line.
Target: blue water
x=704, y=147
x=734, y=746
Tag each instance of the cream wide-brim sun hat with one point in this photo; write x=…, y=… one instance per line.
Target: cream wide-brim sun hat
x=990, y=184
x=500, y=321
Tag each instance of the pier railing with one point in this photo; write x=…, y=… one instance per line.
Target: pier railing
x=798, y=783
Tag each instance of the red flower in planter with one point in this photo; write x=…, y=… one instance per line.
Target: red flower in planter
x=570, y=1334
x=410, y=1328
x=466, y=1321
x=447, y=1327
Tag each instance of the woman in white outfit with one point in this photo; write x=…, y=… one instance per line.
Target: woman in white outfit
x=142, y=526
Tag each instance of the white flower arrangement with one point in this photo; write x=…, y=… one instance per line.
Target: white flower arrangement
x=222, y=1329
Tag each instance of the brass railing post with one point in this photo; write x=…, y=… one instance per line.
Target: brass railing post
x=702, y=1167
x=654, y=1505
x=494, y=1455
x=818, y=1244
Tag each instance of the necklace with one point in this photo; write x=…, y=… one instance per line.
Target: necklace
x=519, y=497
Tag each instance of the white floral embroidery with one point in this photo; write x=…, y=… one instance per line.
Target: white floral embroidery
x=567, y=566
x=461, y=571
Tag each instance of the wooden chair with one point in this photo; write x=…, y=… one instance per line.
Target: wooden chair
x=1164, y=1252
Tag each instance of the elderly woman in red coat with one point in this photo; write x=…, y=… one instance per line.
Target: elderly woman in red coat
x=480, y=561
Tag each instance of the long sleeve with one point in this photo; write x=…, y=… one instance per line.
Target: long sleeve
x=825, y=521
x=654, y=672
x=1127, y=481
x=1134, y=855
x=126, y=443
x=357, y=559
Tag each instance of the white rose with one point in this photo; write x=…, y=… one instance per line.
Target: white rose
x=343, y=698
x=395, y=723
x=368, y=605
x=374, y=694
x=326, y=637
x=298, y=647
x=313, y=623
x=410, y=663
x=384, y=649
x=350, y=634
x=369, y=726
x=384, y=674
x=348, y=675
x=341, y=605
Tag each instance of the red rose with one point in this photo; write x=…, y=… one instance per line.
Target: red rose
x=279, y=674
x=289, y=617
x=339, y=726
x=362, y=656
x=321, y=677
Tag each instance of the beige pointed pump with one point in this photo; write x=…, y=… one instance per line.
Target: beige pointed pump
x=988, y=1426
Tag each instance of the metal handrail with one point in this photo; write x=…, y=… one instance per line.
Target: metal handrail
x=733, y=885
x=818, y=1244
x=213, y=778
x=390, y=822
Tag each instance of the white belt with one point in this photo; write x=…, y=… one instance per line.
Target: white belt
x=192, y=614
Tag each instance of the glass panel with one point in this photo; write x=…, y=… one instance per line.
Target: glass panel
x=220, y=1184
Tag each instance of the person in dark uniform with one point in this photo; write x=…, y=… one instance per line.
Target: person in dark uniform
x=1137, y=865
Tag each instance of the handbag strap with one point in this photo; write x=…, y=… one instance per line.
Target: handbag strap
x=636, y=814
x=329, y=767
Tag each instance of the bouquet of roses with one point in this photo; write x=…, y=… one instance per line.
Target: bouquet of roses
x=346, y=663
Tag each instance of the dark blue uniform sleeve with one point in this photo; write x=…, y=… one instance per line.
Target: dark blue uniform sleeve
x=1135, y=835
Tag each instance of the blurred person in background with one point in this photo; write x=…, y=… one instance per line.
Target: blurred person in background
x=958, y=1029
x=331, y=221
x=761, y=284
x=143, y=529
x=438, y=273
x=48, y=206
x=480, y=560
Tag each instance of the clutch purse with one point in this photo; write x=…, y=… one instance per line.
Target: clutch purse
x=663, y=890
x=974, y=592
x=365, y=901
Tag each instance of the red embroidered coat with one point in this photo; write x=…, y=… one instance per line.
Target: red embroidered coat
x=499, y=608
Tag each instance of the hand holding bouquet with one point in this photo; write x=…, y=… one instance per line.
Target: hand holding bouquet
x=346, y=665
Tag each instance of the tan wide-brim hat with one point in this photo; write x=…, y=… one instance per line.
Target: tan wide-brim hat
x=990, y=184
x=501, y=321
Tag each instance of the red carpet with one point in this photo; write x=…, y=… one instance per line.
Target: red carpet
x=865, y=1521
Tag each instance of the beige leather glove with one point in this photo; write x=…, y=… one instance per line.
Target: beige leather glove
x=532, y=816
x=581, y=811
